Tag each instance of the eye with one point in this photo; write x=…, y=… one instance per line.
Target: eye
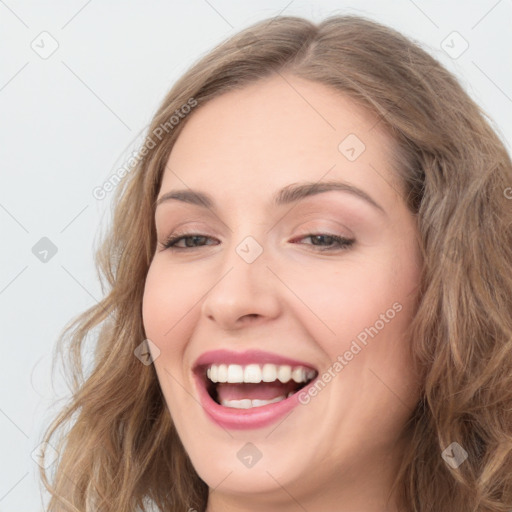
x=190, y=240
x=340, y=242
x=322, y=241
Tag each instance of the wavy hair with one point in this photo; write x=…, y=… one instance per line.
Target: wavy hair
x=118, y=450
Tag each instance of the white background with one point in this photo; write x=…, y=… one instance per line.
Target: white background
x=70, y=120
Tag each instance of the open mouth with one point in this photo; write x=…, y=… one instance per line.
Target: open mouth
x=254, y=385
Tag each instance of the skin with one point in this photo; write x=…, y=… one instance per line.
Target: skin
x=340, y=451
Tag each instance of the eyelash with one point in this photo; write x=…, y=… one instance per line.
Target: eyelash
x=343, y=243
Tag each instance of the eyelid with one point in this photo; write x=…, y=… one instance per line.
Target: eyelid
x=310, y=226
x=321, y=226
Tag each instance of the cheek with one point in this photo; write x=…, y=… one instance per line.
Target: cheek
x=363, y=309
x=168, y=307
x=342, y=299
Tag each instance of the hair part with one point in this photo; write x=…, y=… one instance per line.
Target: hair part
x=122, y=451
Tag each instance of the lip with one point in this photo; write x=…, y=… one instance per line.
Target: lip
x=243, y=419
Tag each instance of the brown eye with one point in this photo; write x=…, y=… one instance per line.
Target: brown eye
x=325, y=241
x=190, y=239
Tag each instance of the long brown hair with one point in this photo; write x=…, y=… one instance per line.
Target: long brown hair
x=118, y=449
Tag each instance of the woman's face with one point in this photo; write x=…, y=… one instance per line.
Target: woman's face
x=264, y=291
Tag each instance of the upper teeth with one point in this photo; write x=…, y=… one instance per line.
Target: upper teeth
x=254, y=373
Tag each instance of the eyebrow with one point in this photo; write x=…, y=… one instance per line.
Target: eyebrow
x=289, y=194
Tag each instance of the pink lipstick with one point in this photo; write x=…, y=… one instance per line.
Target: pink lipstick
x=251, y=389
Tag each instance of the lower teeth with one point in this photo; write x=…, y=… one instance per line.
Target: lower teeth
x=246, y=403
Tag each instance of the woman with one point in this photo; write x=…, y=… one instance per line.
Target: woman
x=309, y=291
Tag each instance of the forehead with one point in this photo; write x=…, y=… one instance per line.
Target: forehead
x=278, y=131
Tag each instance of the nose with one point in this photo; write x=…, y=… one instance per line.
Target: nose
x=242, y=293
